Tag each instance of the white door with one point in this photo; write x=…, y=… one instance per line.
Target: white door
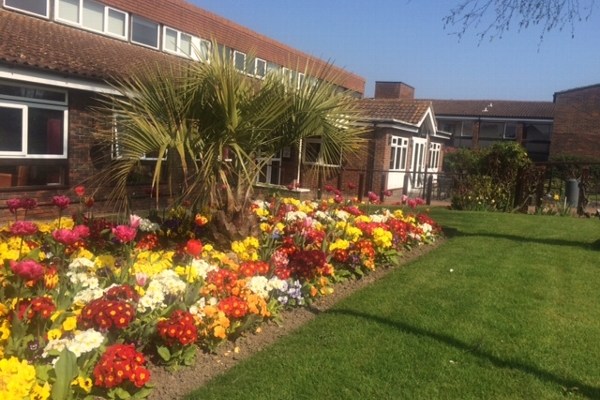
x=417, y=164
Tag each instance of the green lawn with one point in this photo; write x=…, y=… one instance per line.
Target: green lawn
x=507, y=308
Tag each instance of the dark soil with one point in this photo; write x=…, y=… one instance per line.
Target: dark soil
x=169, y=385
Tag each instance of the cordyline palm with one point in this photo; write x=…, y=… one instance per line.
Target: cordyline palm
x=207, y=123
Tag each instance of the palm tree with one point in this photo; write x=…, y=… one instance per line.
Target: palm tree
x=206, y=123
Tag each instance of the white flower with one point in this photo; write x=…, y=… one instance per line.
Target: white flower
x=259, y=285
x=295, y=216
x=86, y=295
x=278, y=284
x=82, y=342
x=82, y=263
x=202, y=267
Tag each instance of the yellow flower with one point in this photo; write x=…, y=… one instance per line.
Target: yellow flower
x=83, y=382
x=17, y=378
x=69, y=324
x=40, y=392
x=264, y=227
x=54, y=334
x=339, y=244
x=4, y=330
x=105, y=261
x=83, y=253
x=3, y=310
x=556, y=197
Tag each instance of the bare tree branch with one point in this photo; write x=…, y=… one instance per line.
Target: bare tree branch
x=492, y=18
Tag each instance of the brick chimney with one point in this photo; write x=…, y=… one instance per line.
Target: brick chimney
x=393, y=90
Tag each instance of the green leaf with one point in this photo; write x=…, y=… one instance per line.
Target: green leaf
x=142, y=393
x=122, y=393
x=164, y=353
x=66, y=370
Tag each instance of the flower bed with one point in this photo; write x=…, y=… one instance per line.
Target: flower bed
x=86, y=302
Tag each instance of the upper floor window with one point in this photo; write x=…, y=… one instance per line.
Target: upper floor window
x=260, y=67
x=37, y=7
x=144, y=31
x=92, y=15
x=239, y=60
x=177, y=42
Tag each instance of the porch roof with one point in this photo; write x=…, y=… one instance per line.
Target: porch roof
x=406, y=111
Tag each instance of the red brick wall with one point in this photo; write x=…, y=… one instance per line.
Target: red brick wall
x=576, y=129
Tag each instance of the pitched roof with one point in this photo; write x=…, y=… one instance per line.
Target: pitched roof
x=404, y=110
x=47, y=46
x=577, y=89
x=494, y=108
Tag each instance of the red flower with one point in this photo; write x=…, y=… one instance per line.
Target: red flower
x=79, y=190
x=373, y=198
x=104, y=314
x=233, y=307
x=178, y=328
x=121, y=363
x=223, y=279
x=351, y=186
x=27, y=269
x=62, y=202
x=252, y=268
x=193, y=247
x=39, y=306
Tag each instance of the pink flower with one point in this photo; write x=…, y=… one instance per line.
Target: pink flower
x=351, y=186
x=65, y=236
x=23, y=228
x=373, y=198
x=28, y=203
x=27, y=269
x=124, y=233
x=141, y=278
x=13, y=204
x=83, y=231
x=338, y=199
x=279, y=259
x=412, y=203
x=62, y=202
x=134, y=221
x=388, y=193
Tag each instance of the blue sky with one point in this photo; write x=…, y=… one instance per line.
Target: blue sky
x=404, y=40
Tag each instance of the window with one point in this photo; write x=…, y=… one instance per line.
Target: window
x=144, y=32
x=398, y=153
x=33, y=136
x=270, y=172
x=272, y=67
x=177, y=42
x=434, y=155
x=498, y=130
x=37, y=7
x=313, y=154
x=260, y=67
x=92, y=15
x=239, y=60
x=119, y=144
x=203, y=50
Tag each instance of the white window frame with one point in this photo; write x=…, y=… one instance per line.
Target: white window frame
x=268, y=164
x=237, y=54
x=106, y=11
x=137, y=18
x=47, y=16
x=178, y=42
x=319, y=160
x=256, y=68
x=115, y=153
x=435, y=150
x=24, y=106
x=398, y=150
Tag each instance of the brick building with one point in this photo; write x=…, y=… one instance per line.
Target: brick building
x=58, y=56
x=576, y=130
x=480, y=123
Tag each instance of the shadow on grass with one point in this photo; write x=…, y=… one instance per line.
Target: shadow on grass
x=453, y=232
x=567, y=384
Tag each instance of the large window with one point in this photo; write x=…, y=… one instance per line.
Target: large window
x=398, y=153
x=92, y=15
x=490, y=132
x=144, y=32
x=33, y=136
x=37, y=7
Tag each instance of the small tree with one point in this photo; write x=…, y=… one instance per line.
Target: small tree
x=207, y=122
